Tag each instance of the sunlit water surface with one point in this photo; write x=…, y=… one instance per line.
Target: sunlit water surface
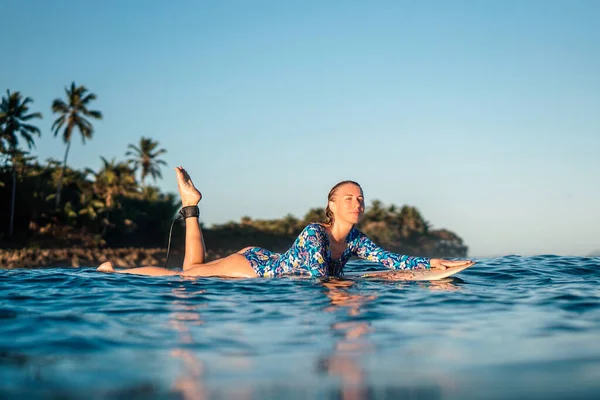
x=510, y=327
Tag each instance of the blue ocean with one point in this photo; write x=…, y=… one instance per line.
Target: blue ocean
x=507, y=328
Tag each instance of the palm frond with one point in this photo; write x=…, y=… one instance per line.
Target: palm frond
x=31, y=116
x=93, y=114
x=58, y=124
x=67, y=132
x=145, y=156
x=31, y=129
x=25, y=101
x=134, y=151
x=85, y=128
x=14, y=109
x=71, y=91
x=28, y=139
x=59, y=106
x=87, y=98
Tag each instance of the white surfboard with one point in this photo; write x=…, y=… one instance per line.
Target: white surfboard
x=415, y=275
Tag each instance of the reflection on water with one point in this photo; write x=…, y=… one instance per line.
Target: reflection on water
x=444, y=285
x=189, y=384
x=353, y=342
x=344, y=361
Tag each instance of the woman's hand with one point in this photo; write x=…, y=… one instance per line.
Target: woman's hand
x=438, y=263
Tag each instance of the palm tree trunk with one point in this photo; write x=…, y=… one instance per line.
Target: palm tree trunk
x=62, y=173
x=12, y=203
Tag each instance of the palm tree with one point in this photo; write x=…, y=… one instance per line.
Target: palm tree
x=112, y=182
x=145, y=156
x=72, y=115
x=13, y=115
x=13, y=118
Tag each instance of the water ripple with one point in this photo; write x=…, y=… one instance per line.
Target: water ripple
x=76, y=333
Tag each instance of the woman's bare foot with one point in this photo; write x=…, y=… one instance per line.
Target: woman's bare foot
x=106, y=267
x=190, y=196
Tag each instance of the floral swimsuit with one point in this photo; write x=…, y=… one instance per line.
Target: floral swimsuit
x=311, y=255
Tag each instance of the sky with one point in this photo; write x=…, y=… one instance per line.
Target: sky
x=485, y=115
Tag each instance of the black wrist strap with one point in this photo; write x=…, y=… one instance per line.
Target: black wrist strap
x=189, y=212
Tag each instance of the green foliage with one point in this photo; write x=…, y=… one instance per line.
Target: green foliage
x=103, y=207
x=109, y=206
x=314, y=215
x=73, y=113
x=13, y=123
x=14, y=120
x=396, y=229
x=145, y=156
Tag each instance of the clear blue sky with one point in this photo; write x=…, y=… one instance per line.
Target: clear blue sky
x=485, y=115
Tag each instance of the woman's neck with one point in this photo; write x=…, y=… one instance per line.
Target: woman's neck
x=339, y=231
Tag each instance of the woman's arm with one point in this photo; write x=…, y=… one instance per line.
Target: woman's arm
x=366, y=249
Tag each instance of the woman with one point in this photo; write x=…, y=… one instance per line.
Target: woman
x=319, y=250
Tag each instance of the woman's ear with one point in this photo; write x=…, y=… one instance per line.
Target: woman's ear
x=332, y=206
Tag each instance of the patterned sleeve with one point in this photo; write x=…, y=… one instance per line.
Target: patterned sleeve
x=311, y=249
x=364, y=248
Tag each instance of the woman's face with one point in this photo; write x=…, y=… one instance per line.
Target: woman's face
x=348, y=204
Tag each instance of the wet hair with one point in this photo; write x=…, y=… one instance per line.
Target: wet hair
x=329, y=217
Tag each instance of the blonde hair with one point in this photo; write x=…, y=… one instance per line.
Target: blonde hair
x=329, y=217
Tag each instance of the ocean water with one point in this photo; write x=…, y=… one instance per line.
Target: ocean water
x=507, y=328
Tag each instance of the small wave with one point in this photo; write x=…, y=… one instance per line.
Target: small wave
x=512, y=310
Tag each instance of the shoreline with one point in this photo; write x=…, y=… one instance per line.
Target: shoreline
x=87, y=257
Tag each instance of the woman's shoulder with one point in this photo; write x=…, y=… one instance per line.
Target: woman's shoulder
x=315, y=227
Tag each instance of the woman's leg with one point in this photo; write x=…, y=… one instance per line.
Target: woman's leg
x=150, y=271
x=195, y=252
x=234, y=266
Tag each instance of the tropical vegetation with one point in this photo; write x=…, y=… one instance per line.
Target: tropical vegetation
x=54, y=206
x=145, y=157
x=14, y=118
x=72, y=114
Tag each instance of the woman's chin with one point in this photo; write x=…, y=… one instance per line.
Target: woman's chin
x=354, y=220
